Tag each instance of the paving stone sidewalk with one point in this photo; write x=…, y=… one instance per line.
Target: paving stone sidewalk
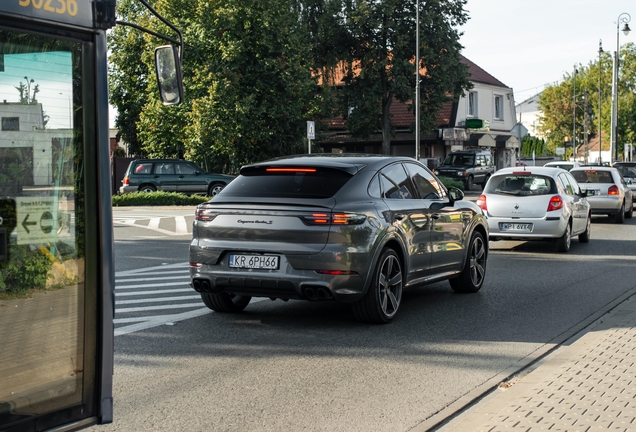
x=588, y=385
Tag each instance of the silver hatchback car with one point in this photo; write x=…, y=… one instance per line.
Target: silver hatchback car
x=607, y=191
x=351, y=228
x=536, y=203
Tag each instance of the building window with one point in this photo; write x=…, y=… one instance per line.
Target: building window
x=498, y=107
x=472, y=104
x=10, y=123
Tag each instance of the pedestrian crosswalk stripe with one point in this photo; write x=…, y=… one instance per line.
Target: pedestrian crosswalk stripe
x=149, y=308
x=153, y=279
x=140, y=293
x=159, y=299
x=155, y=285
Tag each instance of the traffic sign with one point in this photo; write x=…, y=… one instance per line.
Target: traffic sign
x=311, y=130
x=39, y=220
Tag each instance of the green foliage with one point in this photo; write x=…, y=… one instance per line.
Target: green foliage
x=159, y=198
x=557, y=102
x=251, y=67
x=26, y=270
x=375, y=45
x=451, y=182
x=538, y=145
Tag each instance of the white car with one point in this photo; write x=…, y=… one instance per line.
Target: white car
x=536, y=203
x=607, y=191
x=566, y=165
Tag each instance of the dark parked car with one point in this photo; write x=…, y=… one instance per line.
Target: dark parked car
x=172, y=175
x=352, y=228
x=469, y=166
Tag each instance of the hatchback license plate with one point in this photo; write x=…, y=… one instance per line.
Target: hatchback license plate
x=521, y=227
x=592, y=192
x=263, y=262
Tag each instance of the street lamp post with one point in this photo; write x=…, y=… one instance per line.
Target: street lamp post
x=600, y=70
x=574, y=115
x=624, y=18
x=417, y=80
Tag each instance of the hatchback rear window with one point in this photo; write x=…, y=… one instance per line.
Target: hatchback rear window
x=521, y=184
x=287, y=183
x=593, y=176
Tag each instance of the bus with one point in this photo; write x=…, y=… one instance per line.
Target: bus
x=56, y=229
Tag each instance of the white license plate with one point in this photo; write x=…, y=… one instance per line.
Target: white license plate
x=592, y=192
x=263, y=262
x=519, y=227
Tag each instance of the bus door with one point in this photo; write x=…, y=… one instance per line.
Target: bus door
x=56, y=253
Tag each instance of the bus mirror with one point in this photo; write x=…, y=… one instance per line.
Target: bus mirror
x=169, y=78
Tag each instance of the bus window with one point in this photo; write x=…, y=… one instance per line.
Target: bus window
x=42, y=283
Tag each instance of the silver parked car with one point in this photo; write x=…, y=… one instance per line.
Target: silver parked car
x=536, y=203
x=628, y=171
x=607, y=191
x=356, y=229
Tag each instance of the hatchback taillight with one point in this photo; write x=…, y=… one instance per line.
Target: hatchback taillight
x=481, y=202
x=556, y=202
x=334, y=219
x=613, y=190
x=126, y=181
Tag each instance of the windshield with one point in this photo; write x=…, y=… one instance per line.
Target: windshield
x=459, y=160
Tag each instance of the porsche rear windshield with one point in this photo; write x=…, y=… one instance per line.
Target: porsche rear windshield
x=271, y=182
x=521, y=184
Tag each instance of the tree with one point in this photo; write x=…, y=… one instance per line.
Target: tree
x=557, y=101
x=128, y=73
x=376, y=43
x=247, y=75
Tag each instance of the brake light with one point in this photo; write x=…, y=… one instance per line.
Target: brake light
x=334, y=219
x=481, y=202
x=126, y=181
x=613, y=190
x=556, y=202
x=336, y=272
x=521, y=172
x=202, y=214
x=293, y=170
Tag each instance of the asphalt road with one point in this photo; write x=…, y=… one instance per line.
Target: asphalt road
x=283, y=366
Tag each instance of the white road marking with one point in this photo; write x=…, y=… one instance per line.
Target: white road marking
x=153, y=279
x=155, y=285
x=181, y=225
x=138, y=293
x=161, y=320
x=149, y=308
x=159, y=299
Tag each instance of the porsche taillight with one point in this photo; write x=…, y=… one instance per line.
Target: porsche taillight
x=334, y=219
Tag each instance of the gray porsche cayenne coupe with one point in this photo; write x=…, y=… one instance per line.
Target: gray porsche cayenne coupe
x=352, y=228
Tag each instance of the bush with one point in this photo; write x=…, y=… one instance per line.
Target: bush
x=451, y=182
x=159, y=198
x=27, y=269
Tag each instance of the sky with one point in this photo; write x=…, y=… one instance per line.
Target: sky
x=530, y=44
x=51, y=72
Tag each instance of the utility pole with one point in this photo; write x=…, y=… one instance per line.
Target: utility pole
x=585, y=125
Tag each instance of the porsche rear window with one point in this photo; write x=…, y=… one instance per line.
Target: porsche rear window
x=522, y=184
x=288, y=183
